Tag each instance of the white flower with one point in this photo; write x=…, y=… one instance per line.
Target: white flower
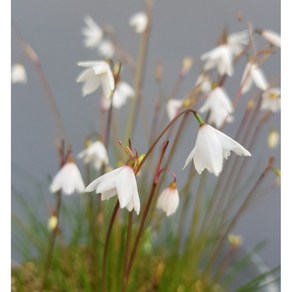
x=220, y=107
x=97, y=73
x=18, y=74
x=172, y=108
x=220, y=58
x=92, y=33
x=68, y=179
x=106, y=49
x=237, y=41
x=95, y=153
x=253, y=74
x=271, y=100
x=122, y=93
x=211, y=147
x=168, y=200
x=272, y=37
x=204, y=83
x=138, y=22
x=120, y=181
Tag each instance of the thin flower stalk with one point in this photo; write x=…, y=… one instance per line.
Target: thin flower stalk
x=139, y=74
x=144, y=216
x=106, y=245
x=31, y=54
x=253, y=192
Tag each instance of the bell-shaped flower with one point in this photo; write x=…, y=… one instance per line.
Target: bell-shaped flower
x=139, y=22
x=272, y=37
x=220, y=107
x=253, y=74
x=68, y=180
x=92, y=33
x=220, y=58
x=97, y=73
x=95, y=153
x=271, y=100
x=168, y=200
x=120, y=97
x=211, y=148
x=120, y=181
x=173, y=107
x=18, y=74
x=237, y=41
x=106, y=49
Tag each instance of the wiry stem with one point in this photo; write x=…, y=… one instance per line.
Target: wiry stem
x=139, y=74
x=31, y=54
x=144, y=216
x=52, y=241
x=108, y=234
x=240, y=211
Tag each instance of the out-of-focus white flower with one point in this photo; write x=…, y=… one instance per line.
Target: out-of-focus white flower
x=253, y=74
x=272, y=37
x=204, y=82
x=168, y=200
x=122, y=93
x=68, y=179
x=273, y=139
x=237, y=41
x=95, y=153
x=120, y=181
x=139, y=22
x=92, y=33
x=106, y=49
x=220, y=58
x=18, y=74
x=220, y=107
x=172, y=108
x=211, y=147
x=271, y=100
x=97, y=73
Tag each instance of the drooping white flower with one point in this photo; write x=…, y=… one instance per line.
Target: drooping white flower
x=106, y=49
x=97, y=73
x=220, y=107
x=95, y=153
x=220, y=58
x=172, y=108
x=122, y=93
x=68, y=179
x=204, y=83
x=271, y=100
x=253, y=74
x=120, y=181
x=237, y=41
x=18, y=74
x=92, y=33
x=272, y=37
x=168, y=200
x=139, y=22
x=211, y=147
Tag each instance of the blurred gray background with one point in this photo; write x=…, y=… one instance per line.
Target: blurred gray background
x=181, y=28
